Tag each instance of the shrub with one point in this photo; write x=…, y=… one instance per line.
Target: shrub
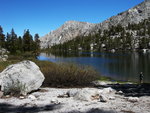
x=62, y=74
x=67, y=75
x=3, y=65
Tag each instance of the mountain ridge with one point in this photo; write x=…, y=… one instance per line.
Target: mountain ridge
x=71, y=29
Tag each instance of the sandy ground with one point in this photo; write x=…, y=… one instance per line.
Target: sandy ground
x=53, y=100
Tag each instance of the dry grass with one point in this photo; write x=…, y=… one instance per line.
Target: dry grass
x=67, y=75
x=61, y=75
x=3, y=65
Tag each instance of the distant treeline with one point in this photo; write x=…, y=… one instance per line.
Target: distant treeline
x=131, y=37
x=17, y=44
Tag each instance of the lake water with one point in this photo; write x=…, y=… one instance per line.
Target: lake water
x=120, y=66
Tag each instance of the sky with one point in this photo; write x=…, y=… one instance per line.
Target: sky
x=43, y=16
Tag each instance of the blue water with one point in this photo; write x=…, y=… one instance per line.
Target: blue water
x=120, y=66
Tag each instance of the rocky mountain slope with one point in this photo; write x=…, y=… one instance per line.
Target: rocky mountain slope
x=72, y=29
x=68, y=31
x=132, y=16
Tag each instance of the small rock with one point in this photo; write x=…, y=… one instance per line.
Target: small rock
x=63, y=96
x=22, y=97
x=119, y=92
x=113, y=50
x=103, y=98
x=111, y=98
x=86, y=94
x=72, y=93
x=107, y=90
x=54, y=101
x=133, y=99
x=4, y=59
x=99, y=83
x=5, y=56
x=103, y=45
x=7, y=96
x=32, y=97
x=7, y=52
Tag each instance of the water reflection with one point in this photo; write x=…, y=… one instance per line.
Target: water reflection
x=121, y=66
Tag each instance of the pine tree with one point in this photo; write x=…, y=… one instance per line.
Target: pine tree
x=8, y=41
x=13, y=41
x=20, y=44
x=27, y=41
x=2, y=38
x=36, y=43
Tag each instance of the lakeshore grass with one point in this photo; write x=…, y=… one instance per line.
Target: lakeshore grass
x=68, y=75
x=59, y=74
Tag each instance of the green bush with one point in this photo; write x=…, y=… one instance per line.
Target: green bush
x=67, y=75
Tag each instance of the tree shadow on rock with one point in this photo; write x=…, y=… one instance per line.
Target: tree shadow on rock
x=97, y=110
x=134, y=90
x=94, y=110
x=8, y=108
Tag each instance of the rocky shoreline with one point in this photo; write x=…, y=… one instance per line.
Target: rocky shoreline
x=103, y=99
x=18, y=94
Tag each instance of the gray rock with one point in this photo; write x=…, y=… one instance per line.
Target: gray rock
x=21, y=97
x=54, y=101
x=3, y=59
x=112, y=98
x=63, y=96
x=3, y=51
x=103, y=98
x=107, y=90
x=22, y=77
x=119, y=92
x=72, y=93
x=113, y=50
x=99, y=83
x=32, y=97
x=5, y=56
x=133, y=99
x=103, y=45
x=7, y=96
x=86, y=94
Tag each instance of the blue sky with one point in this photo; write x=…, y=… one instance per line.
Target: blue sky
x=42, y=16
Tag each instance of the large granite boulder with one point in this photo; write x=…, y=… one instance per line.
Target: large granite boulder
x=21, y=78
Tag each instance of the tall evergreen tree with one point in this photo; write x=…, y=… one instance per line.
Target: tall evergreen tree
x=2, y=38
x=37, y=42
x=13, y=41
x=8, y=41
x=27, y=41
x=20, y=44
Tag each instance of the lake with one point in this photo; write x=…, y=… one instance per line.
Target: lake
x=120, y=66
